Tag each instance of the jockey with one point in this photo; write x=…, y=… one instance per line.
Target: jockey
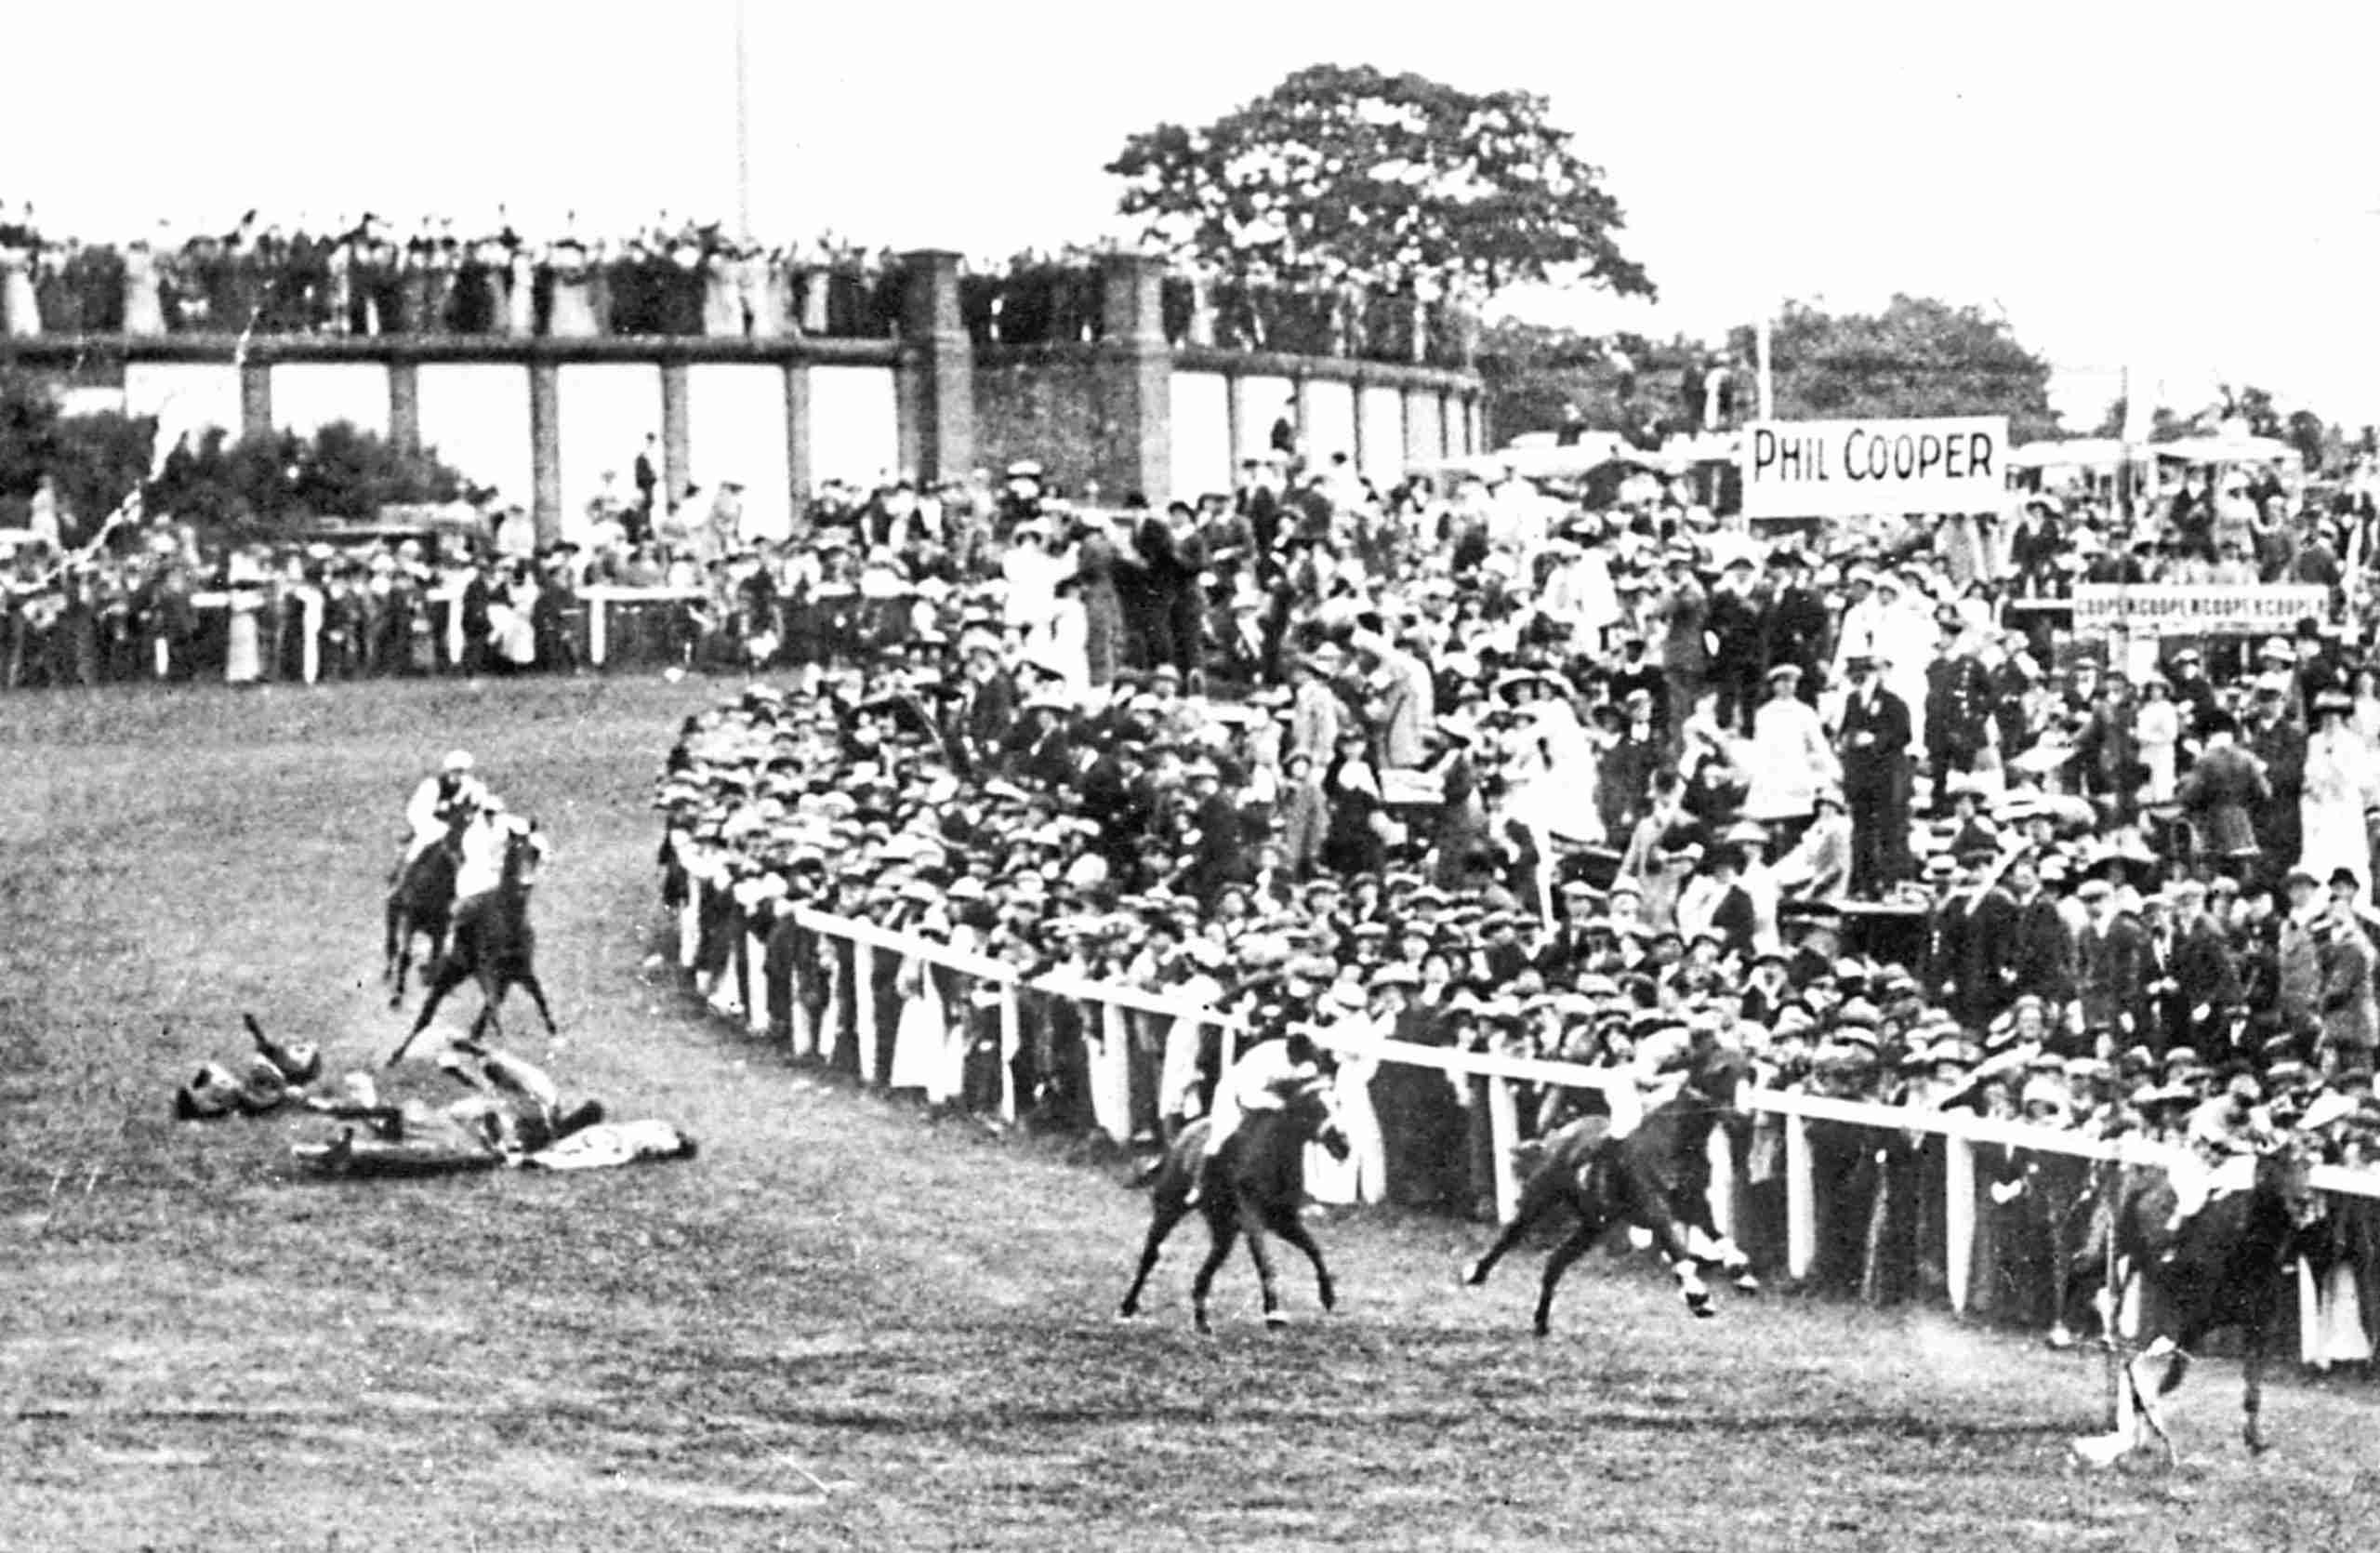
x=486, y=842
x=1661, y=1067
x=437, y=801
x=1266, y=1078
x=2232, y=1126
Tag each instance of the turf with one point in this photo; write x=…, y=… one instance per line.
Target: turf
x=843, y=1325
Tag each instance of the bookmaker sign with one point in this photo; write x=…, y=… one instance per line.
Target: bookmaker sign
x=2159, y=610
x=1819, y=468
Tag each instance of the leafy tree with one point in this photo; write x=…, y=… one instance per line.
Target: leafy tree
x=1345, y=174
x=264, y=486
x=1918, y=357
x=1643, y=389
x=96, y=460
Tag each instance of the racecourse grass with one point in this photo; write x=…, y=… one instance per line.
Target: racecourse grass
x=843, y=1325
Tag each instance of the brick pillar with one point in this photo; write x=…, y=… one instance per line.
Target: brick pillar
x=937, y=392
x=1135, y=379
x=404, y=404
x=545, y=448
x=677, y=440
x=256, y=398
x=796, y=435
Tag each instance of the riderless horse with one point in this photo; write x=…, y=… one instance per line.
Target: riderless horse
x=2226, y=1267
x=1657, y=1178
x=493, y=944
x=1255, y=1186
x=422, y=901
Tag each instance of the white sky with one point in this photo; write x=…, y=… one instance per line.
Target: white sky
x=2193, y=190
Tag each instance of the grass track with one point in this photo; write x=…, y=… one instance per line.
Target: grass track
x=841, y=1326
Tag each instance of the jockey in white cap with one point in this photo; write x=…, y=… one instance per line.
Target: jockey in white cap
x=2220, y=1139
x=436, y=804
x=485, y=841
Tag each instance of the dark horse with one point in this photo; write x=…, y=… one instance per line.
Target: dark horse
x=1254, y=1185
x=493, y=944
x=422, y=901
x=2226, y=1267
x=1657, y=1177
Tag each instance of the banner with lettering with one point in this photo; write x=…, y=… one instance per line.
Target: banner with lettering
x=1814, y=468
x=2176, y=609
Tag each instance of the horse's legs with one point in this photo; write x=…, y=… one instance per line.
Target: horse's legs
x=1532, y=1207
x=489, y=1022
x=1676, y=1243
x=2178, y=1363
x=1292, y=1229
x=1589, y=1229
x=445, y=981
x=1251, y=1223
x=1222, y=1229
x=527, y=981
x=1168, y=1214
x=2252, y=1402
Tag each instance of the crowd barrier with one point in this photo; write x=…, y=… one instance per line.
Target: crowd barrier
x=1887, y=1201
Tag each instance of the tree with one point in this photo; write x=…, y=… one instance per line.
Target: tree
x=263, y=486
x=1351, y=175
x=1643, y=389
x=1918, y=357
x=95, y=461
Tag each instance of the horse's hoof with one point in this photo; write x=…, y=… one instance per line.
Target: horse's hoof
x=2059, y=1339
x=1700, y=1305
x=1474, y=1276
x=1540, y=1329
x=1128, y=1313
x=1274, y=1321
x=1748, y=1283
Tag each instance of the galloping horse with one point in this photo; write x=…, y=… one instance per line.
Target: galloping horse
x=422, y=901
x=1255, y=1184
x=2225, y=1269
x=1657, y=1177
x=493, y=944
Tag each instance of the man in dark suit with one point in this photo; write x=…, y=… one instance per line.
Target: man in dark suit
x=2206, y=976
x=1796, y=624
x=1983, y=974
x=1874, y=749
x=2113, y=954
x=2044, y=966
x=1218, y=854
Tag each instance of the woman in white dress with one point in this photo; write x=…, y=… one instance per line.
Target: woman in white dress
x=572, y=314
x=20, y=310
x=2158, y=725
x=144, y=309
x=1790, y=760
x=2342, y=782
x=521, y=295
x=243, y=660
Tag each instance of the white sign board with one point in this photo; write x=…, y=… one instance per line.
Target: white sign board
x=1824, y=469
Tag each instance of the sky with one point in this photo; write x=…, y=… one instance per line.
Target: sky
x=2190, y=192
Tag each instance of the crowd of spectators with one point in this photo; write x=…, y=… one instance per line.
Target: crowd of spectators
x=674, y=278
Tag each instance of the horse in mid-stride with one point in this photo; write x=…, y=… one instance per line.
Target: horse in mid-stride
x=1657, y=1177
x=422, y=902
x=2227, y=1268
x=493, y=944
x=1255, y=1184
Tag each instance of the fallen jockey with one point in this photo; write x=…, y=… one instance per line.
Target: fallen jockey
x=1266, y=1077
x=515, y=1117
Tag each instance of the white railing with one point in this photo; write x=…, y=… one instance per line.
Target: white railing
x=1107, y=1039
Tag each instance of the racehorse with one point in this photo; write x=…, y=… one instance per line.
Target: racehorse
x=1254, y=1185
x=493, y=944
x=422, y=901
x=2226, y=1267
x=1657, y=1178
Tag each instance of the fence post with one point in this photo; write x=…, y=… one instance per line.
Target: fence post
x=1958, y=1218
x=1503, y=1137
x=1801, y=1202
x=805, y=1032
x=2312, y=1340
x=756, y=979
x=597, y=628
x=864, y=1008
x=1111, y=1084
x=690, y=921
x=1011, y=1046
x=1722, y=1152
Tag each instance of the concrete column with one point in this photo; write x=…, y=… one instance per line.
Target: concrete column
x=404, y=404
x=677, y=440
x=256, y=398
x=545, y=448
x=1355, y=397
x=796, y=433
x=937, y=369
x=1134, y=379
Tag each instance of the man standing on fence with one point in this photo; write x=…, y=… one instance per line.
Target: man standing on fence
x=1875, y=779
